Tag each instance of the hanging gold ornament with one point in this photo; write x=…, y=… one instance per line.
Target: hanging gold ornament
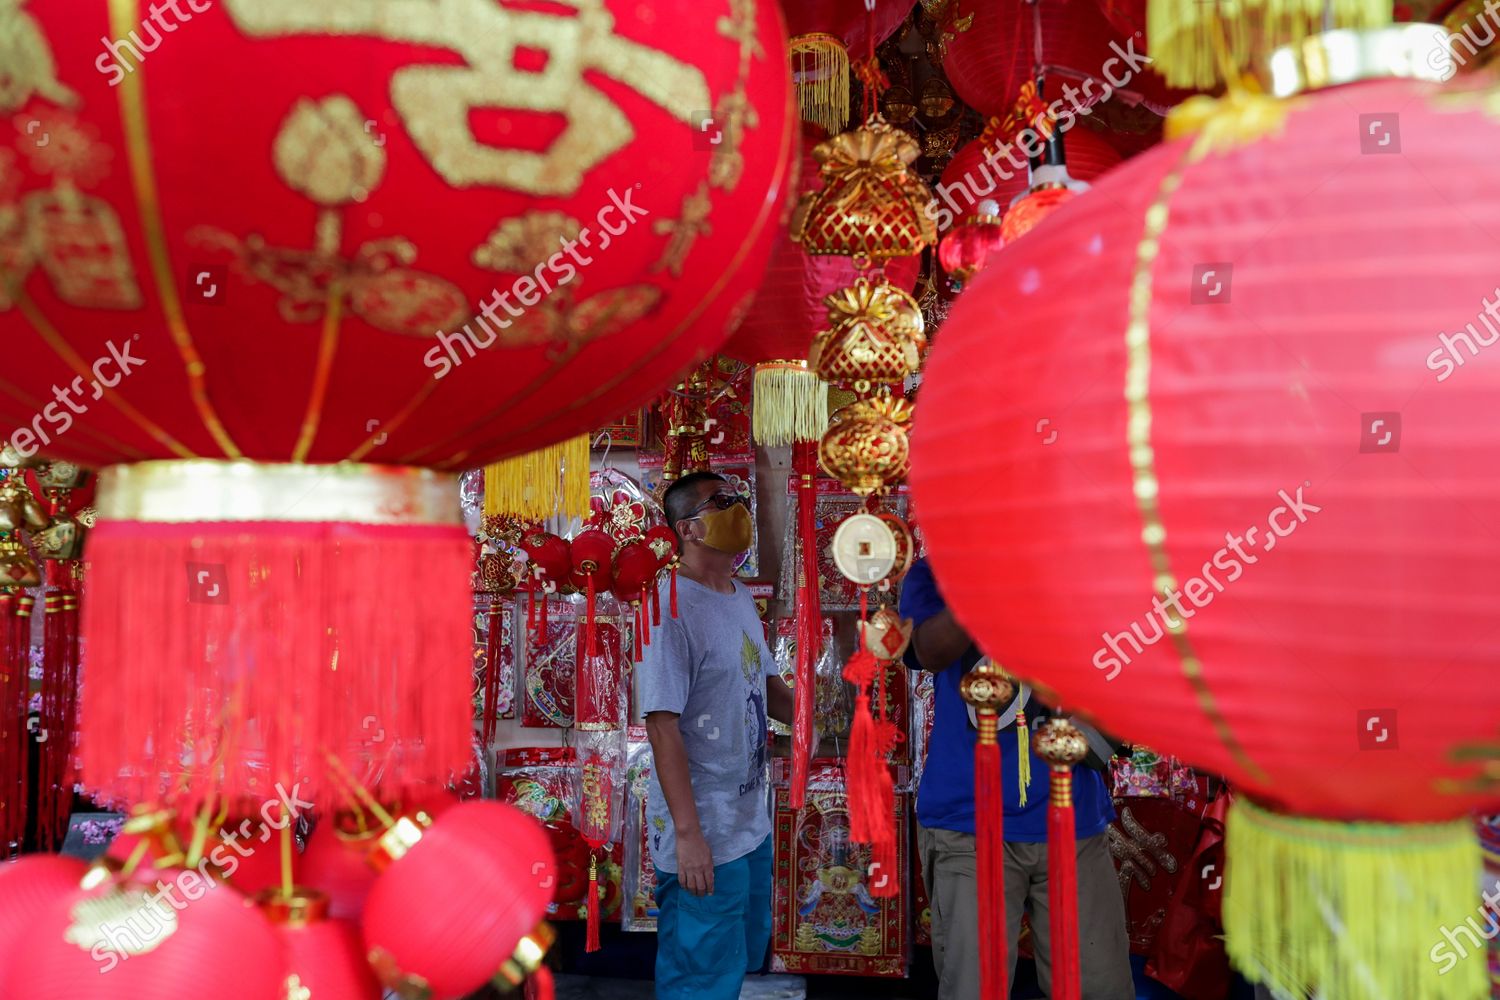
x=876, y=334
x=866, y=446
x=872, y=205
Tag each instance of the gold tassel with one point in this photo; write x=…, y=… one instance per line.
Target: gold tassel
x=541, y=483
x=1355, y=910
x=1023, y=751
x=790, y=404
x=1194, y=44
x=820, y=71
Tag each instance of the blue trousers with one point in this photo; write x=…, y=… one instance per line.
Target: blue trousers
x=706, y=944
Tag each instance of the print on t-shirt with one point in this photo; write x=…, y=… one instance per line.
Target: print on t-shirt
x=755, y=713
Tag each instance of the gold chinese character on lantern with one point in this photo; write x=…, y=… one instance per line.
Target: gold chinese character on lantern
x=435, y=101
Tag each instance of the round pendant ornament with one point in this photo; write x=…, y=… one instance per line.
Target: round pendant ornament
x=869, y=549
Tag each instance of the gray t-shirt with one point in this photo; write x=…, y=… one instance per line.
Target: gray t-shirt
x=709, y=665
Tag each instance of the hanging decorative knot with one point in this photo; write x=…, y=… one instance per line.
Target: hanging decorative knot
x=876, y=335
x=1028, y=111
x=871, y=204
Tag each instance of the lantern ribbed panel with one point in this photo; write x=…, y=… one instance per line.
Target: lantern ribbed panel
x=988, y=63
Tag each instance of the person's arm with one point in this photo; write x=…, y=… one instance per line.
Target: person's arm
x=940, y=642
x=695, y=860
x=779, y=700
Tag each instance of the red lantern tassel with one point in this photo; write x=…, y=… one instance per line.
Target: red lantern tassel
x=989, y=809
x=637, y=637
x=674, y=590
x=644, y=605
x=872, y=794
x=1062, y=887
x=809, y=627
x=539, y=985
x=655, y=604
x=592, y=943
x=13, y=734
x=590, y=638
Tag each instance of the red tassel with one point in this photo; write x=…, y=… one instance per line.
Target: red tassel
x=539, y=985
x=809, y=627
x=674, y=590
x=643, y=608
x=590, y=638
x=182, y=613
x=532, y=619
x=14, y=737
x=492, y=671
x=872, y=794
x=989, y=810
x=1062, y=887
x=637, y=635
x=592, y=943
x=655, y=604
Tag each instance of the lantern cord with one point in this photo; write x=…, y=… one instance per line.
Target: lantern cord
x=337, y=768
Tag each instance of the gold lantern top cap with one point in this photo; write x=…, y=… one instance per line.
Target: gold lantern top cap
x=1332, y=58
x=986, y=687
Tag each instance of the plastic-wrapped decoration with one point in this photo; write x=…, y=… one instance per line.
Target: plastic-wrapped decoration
x=639, y=878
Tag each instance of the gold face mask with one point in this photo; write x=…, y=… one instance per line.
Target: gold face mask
x=728, y=530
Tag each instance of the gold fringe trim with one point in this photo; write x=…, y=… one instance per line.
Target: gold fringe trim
x=1195, y=43
x=539, y=484
x=820, y=72
x=790, y=404
x=1355, y=911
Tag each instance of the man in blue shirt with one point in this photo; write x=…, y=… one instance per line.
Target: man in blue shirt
x=945, y=818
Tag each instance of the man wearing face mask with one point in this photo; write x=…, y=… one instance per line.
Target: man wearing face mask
x=706, y=685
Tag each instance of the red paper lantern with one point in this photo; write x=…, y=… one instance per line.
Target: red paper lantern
x=324, y=957
x=847, y=20
x=336, y=863
x=126, y=937
x=1026, y=214
x=27, y=886
x=322, y=281
x=491, y=898
x=988, y=61
x=966, y=248
x=1229, y=369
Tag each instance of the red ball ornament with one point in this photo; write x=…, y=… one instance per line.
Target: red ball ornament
x=1026, y=214
x=1271, y=438
x=966, y=248
x=324, y=956
x=411, y=254
x=27, y=886
x=491, y=898
x=551, y=562
x=152, y=936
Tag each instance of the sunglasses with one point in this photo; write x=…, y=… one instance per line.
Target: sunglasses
x=722, y=501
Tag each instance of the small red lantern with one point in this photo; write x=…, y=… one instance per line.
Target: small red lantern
x=323, y=956
x=27, y=886
x=153, y=935
x=335, y=863
x=964, y=249
x=592, y=552
x=492, y=867
x=1026, y=214
x=635, y=568
x=663, y=541
x=551, y=569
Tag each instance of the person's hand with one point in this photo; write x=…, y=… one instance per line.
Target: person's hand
x=695, y=864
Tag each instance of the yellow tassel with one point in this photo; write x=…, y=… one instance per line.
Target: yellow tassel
x=1355, y=911
x=790, y=404
x=539, y=484
x=1023, y=752
x=1195, y=43
x=820, y=71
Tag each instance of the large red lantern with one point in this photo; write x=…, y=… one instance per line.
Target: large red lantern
x=323, y=956
x=1256, y=394
x=157, y=934
x=441, y=236
x=27, y=886
x=988, y=60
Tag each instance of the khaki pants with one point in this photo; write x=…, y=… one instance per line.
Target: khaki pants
x=947, y=860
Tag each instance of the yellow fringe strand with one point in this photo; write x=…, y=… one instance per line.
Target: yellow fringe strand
x=820, y=71
x=539, y=484
x=790, y=404
x=1193, y=43
x=1023, y=752
x=1354, y=911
